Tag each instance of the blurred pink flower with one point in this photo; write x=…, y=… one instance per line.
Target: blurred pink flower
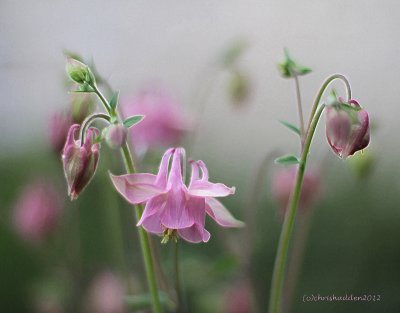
x=37, y=212
x=107, y=294
x=170, y=205
x=239, y=299
x=283, y=183
x=345, y=133
x=59, y=124
x=164, y=124
x=80, y=161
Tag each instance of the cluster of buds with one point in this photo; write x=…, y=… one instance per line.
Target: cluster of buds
x=347, y=127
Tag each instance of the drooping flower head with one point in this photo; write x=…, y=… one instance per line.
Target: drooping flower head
x=37, y=211
x=347, y=128
x=80, y=160
x=164, y=125
x=282, y=186
x=171, y=206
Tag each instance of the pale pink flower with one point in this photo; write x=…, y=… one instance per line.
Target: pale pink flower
x=283, y=183
x=171, y=205
x=37, y=212
x=59, y=125
x=164, y=125
x=80, y=160
x=107, y=294
x=347, y=134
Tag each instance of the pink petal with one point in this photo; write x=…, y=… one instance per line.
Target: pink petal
x=204, y=170
x=195, y=172
x=175, y=180
x=163, y=171
x=194, y=234
x=136, y=188
x=220, y=214
x=176, y=213
x=151, y=217
x=202, y=188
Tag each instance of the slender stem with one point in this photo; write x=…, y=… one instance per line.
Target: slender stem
x=177, y=280
x=299, y=107
x=322, y=90
x=278, y=275
x=86, y=123
x=144, y=239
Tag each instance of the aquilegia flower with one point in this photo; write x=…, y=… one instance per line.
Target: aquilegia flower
x=164, y=125
x=282, y=187
x=347, y=128
x=80, y=160
x=37, y=211
x=171, y=206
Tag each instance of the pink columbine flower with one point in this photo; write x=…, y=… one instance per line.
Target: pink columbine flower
x=171, y=206
x=347, y=132
x=59, y=125
x=283, y=183
x=164, y=125
x=80, y=161
x=37, y=211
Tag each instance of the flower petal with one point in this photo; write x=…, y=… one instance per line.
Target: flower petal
x=201, y=188
x=176, y=214
x=175, y=180
x=194, y=234
x=162, y=175
x=220, y=214
x=195, y=172
x=151, y=217
x=136, y=188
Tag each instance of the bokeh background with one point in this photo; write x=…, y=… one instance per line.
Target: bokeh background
x=353, y=232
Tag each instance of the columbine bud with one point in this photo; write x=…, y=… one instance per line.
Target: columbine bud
x=116, y=135
x=290, y=68
x=37, y=212
x=282, y=186
x=347, y=128
x=80, y=161
x=79, y=72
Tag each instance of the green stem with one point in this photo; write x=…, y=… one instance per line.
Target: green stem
x=89, y=120
x=299, y=106
x=144, y=239
x=322, y=90
x=278, y=275
x=177, y=280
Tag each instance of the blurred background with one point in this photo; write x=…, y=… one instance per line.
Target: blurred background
x=215, y=65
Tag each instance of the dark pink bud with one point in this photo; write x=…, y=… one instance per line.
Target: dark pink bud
x=283, y=183
x=59, y=124
x=37, y=212
x=80, y=161
x=347, y=130
x=116, y=135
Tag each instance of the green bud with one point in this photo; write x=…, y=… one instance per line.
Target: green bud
x=79, y=72
x=238, y=87
x=289, y=68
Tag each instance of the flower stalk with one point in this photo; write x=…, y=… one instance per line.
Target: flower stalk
x=278, y=276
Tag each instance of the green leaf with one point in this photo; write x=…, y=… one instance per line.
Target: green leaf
x=130, y=121
x=291, y=127
x=288, y=159
x=114, y=100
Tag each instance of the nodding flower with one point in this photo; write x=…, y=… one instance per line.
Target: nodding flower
x=80, y=160
x=347, y=128
x=172, y=208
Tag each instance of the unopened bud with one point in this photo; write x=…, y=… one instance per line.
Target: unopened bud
x=116, y=135
x=79, y=72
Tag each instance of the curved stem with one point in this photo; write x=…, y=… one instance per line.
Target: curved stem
x=278, y=275
x=322, y=90
x=89, y=120
x=102, y=98
x=144, y=239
